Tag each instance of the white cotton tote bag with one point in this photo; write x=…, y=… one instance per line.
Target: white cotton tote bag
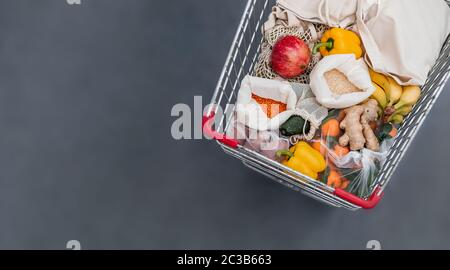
x=356, y=72
x=251, y=114
x=402, y=38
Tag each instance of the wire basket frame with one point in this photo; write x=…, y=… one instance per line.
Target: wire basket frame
x=241, y=60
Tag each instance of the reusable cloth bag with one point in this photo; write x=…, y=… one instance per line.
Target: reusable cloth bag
x=402, y=38
x=298, y=98
x=251, y=114
x=356, y=72
x=334, y=13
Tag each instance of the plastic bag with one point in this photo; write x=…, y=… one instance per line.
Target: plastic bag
x=362, y=168
x=353, y=171
x=266, y=143
x=355, y=71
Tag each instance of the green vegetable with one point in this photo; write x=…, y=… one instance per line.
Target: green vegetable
x=294, y=126
x=387, y=131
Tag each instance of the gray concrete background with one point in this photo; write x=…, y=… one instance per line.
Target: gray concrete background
x=86, y=152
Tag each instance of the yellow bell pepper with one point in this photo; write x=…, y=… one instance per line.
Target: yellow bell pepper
x=339, y=41
x=304, y=159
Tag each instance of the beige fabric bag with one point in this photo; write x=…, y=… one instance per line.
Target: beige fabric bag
x=298, y=98
x=402, y=38
x=356, y=72
x=334, y=13
x=251, y=114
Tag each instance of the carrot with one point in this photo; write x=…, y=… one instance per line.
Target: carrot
x=331, y=128
x=319, y=146
x=394, y=132
x=340, y=151
x=334, y=179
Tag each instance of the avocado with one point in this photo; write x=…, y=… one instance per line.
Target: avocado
x=294, y=126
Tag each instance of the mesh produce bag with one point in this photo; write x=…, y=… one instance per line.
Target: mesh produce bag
x=310, y=110
x=283, y=23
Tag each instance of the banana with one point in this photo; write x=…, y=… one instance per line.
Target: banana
x=381, y=80
x=380, y=111
x=400, y=114
x=380, y=96
x=397, y=119
x=404, y=111
x=394, y=92
x=410, y=96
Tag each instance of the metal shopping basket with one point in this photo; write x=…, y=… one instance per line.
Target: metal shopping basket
x=241, y=61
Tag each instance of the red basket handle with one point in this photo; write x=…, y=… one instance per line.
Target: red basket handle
x=371, y=203
x=207, y=124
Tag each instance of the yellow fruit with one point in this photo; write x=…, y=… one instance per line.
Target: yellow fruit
x=394, y=92
x=404, y=111
x=380, y=111
x=397, y=119
x=381, y=80
x=380, y=96
x=410, y=96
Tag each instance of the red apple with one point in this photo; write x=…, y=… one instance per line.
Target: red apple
x=290, y=57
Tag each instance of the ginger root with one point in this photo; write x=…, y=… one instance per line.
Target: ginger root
x=358, y=132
